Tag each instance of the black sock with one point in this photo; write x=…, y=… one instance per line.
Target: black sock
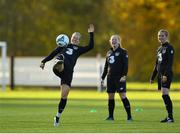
x=62, y=105
x=127, y=106
x=168, y=104
x=111, y=104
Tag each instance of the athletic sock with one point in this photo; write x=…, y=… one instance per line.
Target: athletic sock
x=61, y=106
x=111, y=104
x=127, y=106
x=168, y=105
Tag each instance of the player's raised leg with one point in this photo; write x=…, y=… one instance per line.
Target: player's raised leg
x=59, y=64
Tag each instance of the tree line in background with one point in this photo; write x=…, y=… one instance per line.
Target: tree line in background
x=31, y=26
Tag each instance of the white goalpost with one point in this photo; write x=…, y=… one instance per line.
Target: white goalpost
x=3, y=45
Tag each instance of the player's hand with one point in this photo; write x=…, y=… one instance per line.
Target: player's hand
x=102, y=88
x=164, y=78
x=123, y=79
x=42, y=65
x=91, y=28
x=102, y=83
x=151, y=81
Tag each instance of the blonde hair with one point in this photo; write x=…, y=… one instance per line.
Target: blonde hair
x=77, y=33
x=117, y=37
x=164, y=31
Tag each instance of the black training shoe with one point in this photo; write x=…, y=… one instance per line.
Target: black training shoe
x=129, y=118
x=59, y=64
x=56, y=121
x=110, y=118
x=168, y=120
x=61, y=58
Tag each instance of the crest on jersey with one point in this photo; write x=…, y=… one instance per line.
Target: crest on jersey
x=164, y=51
x=109, y=53
x=117, y=53
x=172, y=51
x=74, y=47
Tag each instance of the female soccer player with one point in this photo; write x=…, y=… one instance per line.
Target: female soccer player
x=116, y=68
x=64, y=68
x=163, y=70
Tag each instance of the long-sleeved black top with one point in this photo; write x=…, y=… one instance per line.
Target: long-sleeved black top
x=71, y=53
x=164, y=60
x=116, y=64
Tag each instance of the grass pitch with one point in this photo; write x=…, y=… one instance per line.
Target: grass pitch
x=32, y=111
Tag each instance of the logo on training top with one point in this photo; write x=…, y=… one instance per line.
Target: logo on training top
x=164, y=50
x=109, y=53
x=117, y=53
x=75, y=47
x=111, y=59
x=172, y=51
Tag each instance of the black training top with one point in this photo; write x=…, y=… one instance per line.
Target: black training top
x=116, y=64
x=71, y=53
x=164, y=60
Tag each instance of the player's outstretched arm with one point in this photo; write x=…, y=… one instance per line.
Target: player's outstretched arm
x=85, y=49
x=50, y=57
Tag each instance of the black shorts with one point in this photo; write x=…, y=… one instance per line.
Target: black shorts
x=65, y=76
x=114, y=85
x=166, y=84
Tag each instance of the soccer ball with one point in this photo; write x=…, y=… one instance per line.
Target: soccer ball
x=62, y=40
